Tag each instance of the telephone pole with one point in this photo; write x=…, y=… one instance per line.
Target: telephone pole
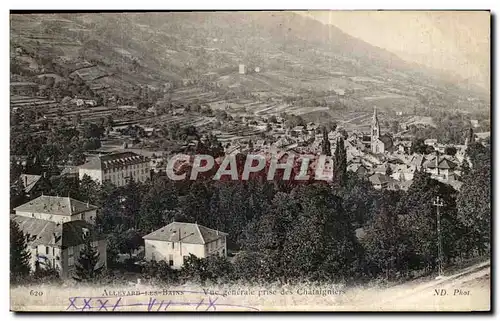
x=439, y=203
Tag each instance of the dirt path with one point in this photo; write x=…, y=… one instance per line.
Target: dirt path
x=467, y=290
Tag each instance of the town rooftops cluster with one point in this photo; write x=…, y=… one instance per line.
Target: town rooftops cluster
x=55, y=205
x=191, y=233
x=115, y=160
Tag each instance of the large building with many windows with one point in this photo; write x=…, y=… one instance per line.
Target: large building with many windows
x=55, y=229
x=118, y=168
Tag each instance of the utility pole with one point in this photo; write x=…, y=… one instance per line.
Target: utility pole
x=439, y=203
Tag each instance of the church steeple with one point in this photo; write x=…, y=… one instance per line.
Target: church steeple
x=375, y=133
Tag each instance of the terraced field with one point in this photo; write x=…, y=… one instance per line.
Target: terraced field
x=22, y=102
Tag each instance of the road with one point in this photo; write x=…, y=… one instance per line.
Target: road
x=466, y=290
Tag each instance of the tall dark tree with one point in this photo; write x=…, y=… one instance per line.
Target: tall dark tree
x=87, y=269
x=19, y=253
x=325, y=144
x=340, y=164
x=17, y=194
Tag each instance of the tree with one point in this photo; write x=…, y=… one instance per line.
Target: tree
x=322, y=244
x=479, y=155
x=386, y=249
x=359, y=200
x=17, y=194
x=474, y=205
x=340, y=163
x=388, y=170
x=160, y=198
x=417, y=216
x=130, y=240
x=87, y=268
x=159, y=272
x=325, y=144
x=88, y=190
x=450, y=150
x=19, y=253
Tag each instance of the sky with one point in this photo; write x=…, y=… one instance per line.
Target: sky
x=453, y=41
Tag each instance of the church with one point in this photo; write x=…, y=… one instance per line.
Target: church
x=379, y=144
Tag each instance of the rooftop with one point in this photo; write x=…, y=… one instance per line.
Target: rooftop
x=29, y=181
x=114, y=160
x=186, y=233
x=55, y=205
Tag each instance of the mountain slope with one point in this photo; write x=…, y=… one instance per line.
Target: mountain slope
x=116, y=52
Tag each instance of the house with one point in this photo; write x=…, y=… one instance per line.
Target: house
x=242, y=69
x=57, y=209
x=430, y=142
x=176, y=241
x=358, y=168
x=379, y=181
x=118, y=168
x=55, y=228
x=58, y=245
x=29, y=182
x=178, y=111
x=440, y=167
x=79, y=102
x=417, y=161
x=90, y=102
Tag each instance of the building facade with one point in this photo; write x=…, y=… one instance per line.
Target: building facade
x=55, y=229
x=117, y=168
x=176, y=241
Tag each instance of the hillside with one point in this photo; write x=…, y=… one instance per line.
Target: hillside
x=296, y=56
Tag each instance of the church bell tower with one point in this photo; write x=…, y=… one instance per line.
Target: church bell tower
x=375, y=133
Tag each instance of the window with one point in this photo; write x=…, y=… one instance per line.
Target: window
x=173, y=245
x=70, y=251
x=71, y=261
x=54, y=251
x=46, y=250
x=170, y=259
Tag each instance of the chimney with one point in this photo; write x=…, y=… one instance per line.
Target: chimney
x=25, y=181
x=87, y=204
x=44, y=174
